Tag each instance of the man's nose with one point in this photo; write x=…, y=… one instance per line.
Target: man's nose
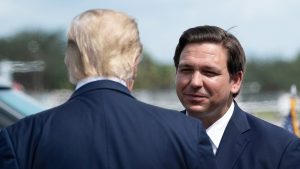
x=197, y=80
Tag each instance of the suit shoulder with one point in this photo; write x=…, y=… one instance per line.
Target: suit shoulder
x=32, y=122
x=268, y=129
x=166, y=115
x=169, y=113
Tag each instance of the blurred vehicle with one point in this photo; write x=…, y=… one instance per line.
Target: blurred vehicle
x=15, y=104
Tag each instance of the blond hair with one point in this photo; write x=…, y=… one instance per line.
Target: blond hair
x=102, y=43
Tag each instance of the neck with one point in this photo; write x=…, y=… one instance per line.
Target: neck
x=208, y=121
x=210, y=118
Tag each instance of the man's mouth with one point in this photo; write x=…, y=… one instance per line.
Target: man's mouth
x=196, y=97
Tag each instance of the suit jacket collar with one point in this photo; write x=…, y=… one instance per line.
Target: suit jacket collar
x=102, y=84
x=234, y=140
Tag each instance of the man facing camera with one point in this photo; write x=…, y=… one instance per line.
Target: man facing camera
x=210, y=65
x=102, y=125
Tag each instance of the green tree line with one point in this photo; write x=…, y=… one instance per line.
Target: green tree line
x=50, y=48
x=271, y=75
x=274, y=75
x=37, y=45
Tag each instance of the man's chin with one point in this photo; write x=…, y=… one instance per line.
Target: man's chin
x=196, y=110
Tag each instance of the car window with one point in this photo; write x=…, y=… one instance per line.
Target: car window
x=20, y=102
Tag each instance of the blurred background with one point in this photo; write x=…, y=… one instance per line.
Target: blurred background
x=33, y=42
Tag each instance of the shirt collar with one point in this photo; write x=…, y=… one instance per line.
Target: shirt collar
x=87, y=80
x=216, y=130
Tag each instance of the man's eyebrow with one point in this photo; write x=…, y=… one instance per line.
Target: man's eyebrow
x=185, y=64
x=209, y=68
x=206, y=67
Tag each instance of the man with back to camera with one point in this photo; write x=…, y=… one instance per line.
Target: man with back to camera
x=210, y=65
x=102, y=125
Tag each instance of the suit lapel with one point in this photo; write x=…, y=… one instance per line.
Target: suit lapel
x=234, y=140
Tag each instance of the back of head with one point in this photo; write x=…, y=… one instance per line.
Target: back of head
x=102, y=43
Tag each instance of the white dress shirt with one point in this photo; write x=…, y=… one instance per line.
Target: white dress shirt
x=92, y=79
x=216, y=130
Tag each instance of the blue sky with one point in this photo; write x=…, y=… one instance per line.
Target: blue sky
x=264, y=27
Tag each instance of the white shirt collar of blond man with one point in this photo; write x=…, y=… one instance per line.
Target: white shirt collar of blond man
x=87, y=80
x=216, y=130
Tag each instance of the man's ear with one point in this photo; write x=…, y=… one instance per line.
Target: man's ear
x=135, y=66
x=236, y=82
x=130, y=82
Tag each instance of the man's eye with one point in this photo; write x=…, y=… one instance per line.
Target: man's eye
x=210, y=73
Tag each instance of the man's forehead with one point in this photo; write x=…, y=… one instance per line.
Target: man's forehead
x=209, y=52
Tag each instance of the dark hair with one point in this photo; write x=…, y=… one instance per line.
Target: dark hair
x=236, y=59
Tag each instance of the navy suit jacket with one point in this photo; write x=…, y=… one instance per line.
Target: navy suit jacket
x=251, y=143
x=102, y=126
